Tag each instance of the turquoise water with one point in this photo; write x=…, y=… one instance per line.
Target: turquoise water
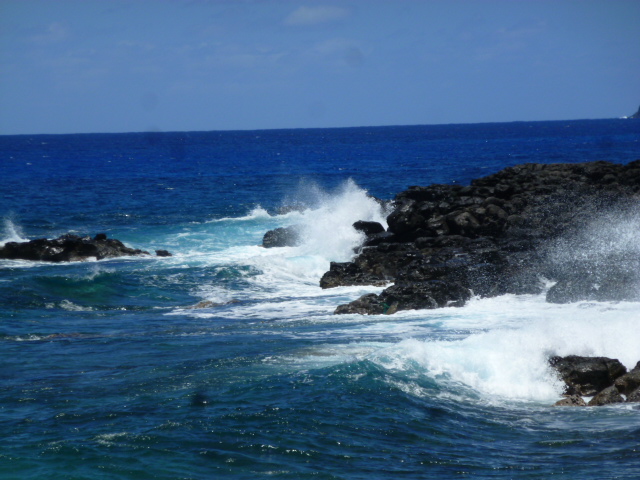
x=109, y=372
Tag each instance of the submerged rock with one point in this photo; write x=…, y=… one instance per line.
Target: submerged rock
x=68, y=248
x=212, y=304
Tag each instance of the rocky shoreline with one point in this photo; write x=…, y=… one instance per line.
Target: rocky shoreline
x=575, y=226
x=502, y=234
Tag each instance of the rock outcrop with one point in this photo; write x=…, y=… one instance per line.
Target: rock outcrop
x=587, y=375
x=606, y=379
x=636, y=115
x=281, y=237
x=501, y=234
x=69, y=248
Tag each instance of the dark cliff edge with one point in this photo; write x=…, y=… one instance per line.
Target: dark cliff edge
x=504, y=233
x=635, y=115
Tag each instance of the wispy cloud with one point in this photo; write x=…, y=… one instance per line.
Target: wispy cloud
x=315, y=15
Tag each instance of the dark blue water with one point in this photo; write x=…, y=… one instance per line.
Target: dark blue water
x=108, y=372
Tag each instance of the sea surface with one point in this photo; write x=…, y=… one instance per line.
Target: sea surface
x=108, y=372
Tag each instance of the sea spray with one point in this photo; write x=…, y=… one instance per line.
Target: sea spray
x=11, y=232
x=328, y=230
x=510, y=360
x=326, y=234
x=614, y=233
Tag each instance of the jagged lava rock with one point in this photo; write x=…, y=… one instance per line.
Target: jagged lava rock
x=68, y=248
x=587, y=375
x=495, y=236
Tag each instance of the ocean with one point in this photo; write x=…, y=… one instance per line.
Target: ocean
x=109, y=372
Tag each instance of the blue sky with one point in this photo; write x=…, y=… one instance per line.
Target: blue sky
x=71, y=66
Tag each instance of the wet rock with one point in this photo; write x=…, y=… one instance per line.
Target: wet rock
x=68, y=248
x=571, y=401
x=163, y=253
x=347, y=273
x=211, y=304
x=634, y=396
x=368, y=228
x=409, y=296
x=281, y=237
x=379, y=238
x=425, y=295
x=587, y=375
x=605, y=397
x=629, y=382
x=365, y=305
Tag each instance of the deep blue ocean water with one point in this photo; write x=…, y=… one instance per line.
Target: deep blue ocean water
x=108, y=372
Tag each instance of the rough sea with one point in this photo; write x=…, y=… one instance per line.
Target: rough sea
x=108, y=372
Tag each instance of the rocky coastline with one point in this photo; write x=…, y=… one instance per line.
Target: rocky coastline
x=573, y=226
x=504, y=233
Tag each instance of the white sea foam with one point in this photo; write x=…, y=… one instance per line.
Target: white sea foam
x=326, y=232
x=258, y=213
x=510, y=359
x=72, y=307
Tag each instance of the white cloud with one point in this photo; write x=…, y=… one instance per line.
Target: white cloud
x=314, y=15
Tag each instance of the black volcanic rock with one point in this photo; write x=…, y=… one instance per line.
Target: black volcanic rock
x=502, y=234
x=368, y=228
x=338, y=271
x=281, y=237
x=604, y=378
x=68, y=248
x=587, y=375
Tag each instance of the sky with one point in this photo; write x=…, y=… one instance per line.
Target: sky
x=87, y=66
